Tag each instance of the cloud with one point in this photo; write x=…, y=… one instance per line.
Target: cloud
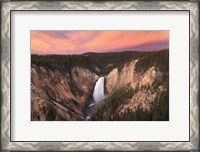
x=76, y=42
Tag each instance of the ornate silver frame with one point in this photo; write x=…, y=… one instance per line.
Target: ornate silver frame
x=8, y=6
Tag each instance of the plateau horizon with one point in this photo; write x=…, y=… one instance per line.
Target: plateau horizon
x=85, y=53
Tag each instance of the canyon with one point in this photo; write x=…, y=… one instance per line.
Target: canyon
x=136, y=86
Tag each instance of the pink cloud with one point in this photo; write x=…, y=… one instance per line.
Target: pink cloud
x=76, y=42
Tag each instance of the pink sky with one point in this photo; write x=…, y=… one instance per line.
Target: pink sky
x=78, y=42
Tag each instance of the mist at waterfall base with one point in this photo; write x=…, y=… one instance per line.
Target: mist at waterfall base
x=98, y=95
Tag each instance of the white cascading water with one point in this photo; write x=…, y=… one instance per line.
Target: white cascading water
x=98, y=93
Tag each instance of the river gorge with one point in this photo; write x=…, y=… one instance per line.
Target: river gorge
x=100, y=87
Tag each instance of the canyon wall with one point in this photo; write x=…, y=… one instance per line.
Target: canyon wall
x=147, y=86
x=60, y=96
x=120, y=76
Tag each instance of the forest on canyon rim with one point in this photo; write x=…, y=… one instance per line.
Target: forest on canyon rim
x=136, y=86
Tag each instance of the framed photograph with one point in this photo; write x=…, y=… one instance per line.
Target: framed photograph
x=110, y=75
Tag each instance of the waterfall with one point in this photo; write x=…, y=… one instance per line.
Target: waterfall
x=98, y=93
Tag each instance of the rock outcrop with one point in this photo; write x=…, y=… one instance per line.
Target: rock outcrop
x=120, y=77
x=60, y=96
x=147, y=86
x=84, y=79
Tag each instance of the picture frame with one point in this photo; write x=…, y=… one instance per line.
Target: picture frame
x=7, y=7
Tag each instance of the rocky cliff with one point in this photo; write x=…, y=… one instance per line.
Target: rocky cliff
x=59, y=95
x=145, y=94
x=133, y=87
x=120, y=76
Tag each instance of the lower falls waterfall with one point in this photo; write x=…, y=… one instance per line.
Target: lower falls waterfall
x=98, y=95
